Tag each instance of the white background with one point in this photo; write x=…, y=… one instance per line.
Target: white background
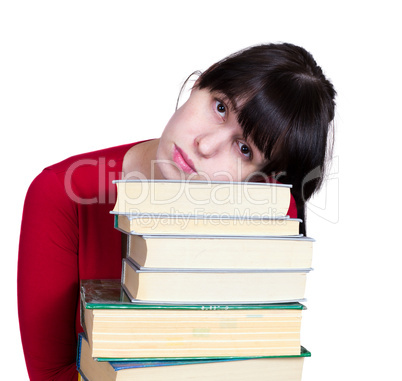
x=76, y=76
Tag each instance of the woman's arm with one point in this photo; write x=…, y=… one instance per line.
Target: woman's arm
x=48, y=280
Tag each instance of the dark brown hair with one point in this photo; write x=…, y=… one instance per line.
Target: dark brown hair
x=285, y=105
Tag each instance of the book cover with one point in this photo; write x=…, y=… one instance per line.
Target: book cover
x=211, y=225
x=242, y=368
x=188, y=252
x=117, y=328
x=212, y=285
x=109, y=294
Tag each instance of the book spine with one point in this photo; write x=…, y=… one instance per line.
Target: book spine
x=78, y=360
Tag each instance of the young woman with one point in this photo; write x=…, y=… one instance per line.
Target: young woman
x=263, y=113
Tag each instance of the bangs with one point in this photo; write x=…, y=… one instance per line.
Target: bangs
x=260, y=121
x=255, y=114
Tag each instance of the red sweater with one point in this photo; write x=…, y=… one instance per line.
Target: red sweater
x=67, y=234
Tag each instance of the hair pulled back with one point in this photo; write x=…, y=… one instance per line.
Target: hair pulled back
x=285, y=105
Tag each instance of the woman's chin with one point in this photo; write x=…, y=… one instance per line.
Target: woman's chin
x=170, y=171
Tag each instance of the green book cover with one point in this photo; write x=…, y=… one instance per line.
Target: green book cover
x=108, y=294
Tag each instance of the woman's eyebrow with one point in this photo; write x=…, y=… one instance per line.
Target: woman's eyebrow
x=225, y=99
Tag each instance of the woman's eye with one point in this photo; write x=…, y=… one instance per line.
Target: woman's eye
x=245, y=150
x=220, y=108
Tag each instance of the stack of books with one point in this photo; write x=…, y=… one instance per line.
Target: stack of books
x=212, y=286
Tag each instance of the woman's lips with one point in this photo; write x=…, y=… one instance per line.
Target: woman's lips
x=182, y=160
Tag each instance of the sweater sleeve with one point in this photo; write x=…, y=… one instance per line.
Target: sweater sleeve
x=48, y=280
x=292, y=211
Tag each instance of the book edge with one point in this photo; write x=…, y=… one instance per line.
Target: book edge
x=262, y=184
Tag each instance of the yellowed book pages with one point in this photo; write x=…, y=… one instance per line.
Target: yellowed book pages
x=278, y=369
x=146, y=333
x=191, y=225
x=224, y=253
x=213, y=286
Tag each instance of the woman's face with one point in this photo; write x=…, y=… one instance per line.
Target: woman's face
x=204, y=141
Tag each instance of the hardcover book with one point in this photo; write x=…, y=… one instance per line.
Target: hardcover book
x=206, y=197
x=213, y=225
x=119, y=329
x=168, y=285
x=287, y=368
x=198, y=252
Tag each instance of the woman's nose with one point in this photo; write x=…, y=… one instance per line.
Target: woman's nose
x=208, y=144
